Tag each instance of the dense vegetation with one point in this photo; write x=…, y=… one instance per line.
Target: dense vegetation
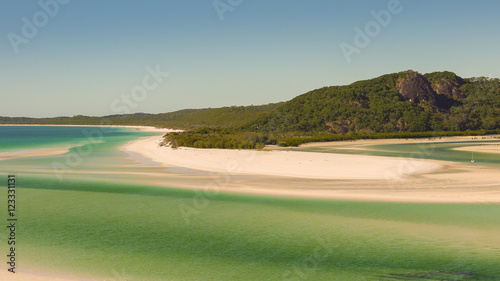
x=403, y=105
x=400, y=105
x=376, y=106
x=234, y=116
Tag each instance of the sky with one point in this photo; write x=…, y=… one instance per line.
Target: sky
x=96, y=58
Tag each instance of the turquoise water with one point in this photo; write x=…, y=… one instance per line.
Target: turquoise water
x=90, y=148
x=107, y=218
x=23, y=137
x=435, y=151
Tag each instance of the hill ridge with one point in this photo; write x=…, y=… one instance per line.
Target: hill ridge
x=401, y=103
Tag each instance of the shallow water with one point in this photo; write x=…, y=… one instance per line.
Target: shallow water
x=104, y=218
x=435, y=151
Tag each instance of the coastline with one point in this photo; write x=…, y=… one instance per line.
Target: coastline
x=441, y=182
x=293, y=164
x=410, y=180
x=319, y=175
x=57, y=151
x=487, y=148
x=363, y=142
x=138, y=128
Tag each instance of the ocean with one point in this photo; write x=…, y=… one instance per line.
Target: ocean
x=99, y=213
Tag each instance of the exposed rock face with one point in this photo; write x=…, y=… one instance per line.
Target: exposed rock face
x=361, y=103
x=339, y=127
x=449, y=88
x=416, y=88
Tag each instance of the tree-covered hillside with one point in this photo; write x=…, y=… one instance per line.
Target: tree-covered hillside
x=234, y=116
x=402, y=102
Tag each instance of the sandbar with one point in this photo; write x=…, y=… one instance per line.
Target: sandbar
x=484, y=148
x=36, y=276
x=32, y=153
x=325, y=175
x=281, y=163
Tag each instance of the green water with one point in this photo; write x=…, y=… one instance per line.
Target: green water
x=139, y=232
x=436, y=151
x=122, y=228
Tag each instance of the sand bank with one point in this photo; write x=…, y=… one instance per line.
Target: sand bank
x=32, y=153
x=31, y=276
x=324, y=175
x=360, y=144
x=485, y=148
x=281, y=163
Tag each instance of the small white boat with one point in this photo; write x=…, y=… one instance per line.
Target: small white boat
x=472, y=160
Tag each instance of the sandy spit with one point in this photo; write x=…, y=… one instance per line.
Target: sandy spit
x=486, y=148
x=281, y=163
x=326, y=175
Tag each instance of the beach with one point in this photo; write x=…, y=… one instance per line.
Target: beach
x=308, y=165
x=333, y=176
x=281, y=172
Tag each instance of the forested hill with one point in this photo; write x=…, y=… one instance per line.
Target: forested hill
x=400, y=102
x=233, y=116
x=403, y=104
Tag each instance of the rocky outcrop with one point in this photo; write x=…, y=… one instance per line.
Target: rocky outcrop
x=449, y=88
x=416, y=88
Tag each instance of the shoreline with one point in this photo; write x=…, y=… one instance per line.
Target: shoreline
x=304, y=165
x=446, y=183
x=139, y=128
x=389, y=179
x=35, y=152
x=485, y=148
x=441, y=182
x=457, y=139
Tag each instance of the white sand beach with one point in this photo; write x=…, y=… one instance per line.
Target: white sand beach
x=326, y=175
x=281, y=163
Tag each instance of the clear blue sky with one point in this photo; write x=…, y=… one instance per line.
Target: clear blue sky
x=91, y=53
